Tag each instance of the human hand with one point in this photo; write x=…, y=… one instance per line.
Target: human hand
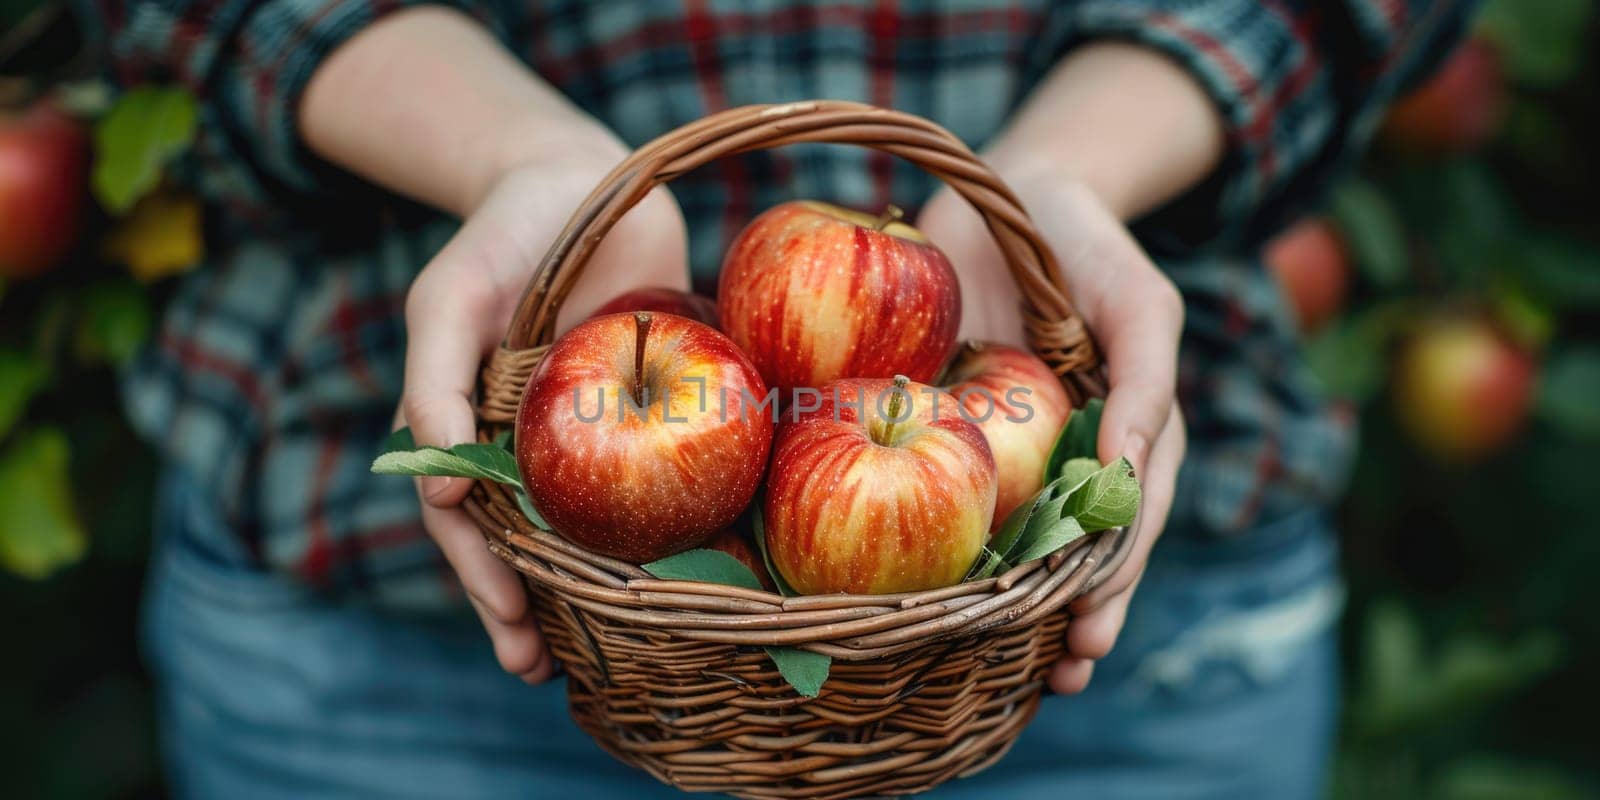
x=458, y=310
x=1136, y=315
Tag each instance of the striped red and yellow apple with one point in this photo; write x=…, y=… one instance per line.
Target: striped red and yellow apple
x=664, y=300
x=635, y=484
x=814, y=293
x=1019, y=405
x=859, y=502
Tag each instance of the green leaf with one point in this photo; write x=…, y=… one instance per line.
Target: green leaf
x=1567, y=391
x=1108, y=499
x=1049, y=539
x=1349, y=357
x=1561, y=271
x=1078, y=438
x=759, y=525
x=707, y=566
x=113, y=323
x=1394, y=658
x=21, y=376
x=1372, y=231
x=1541, y=42
x=1491, y=777
x=1005, y=539
x=1078, y=470
x=39, y=528
x=400, y=440
x=146, y=129
x=804, y=670
x=485, y=462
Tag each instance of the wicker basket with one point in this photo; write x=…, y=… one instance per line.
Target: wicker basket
x=670, y=675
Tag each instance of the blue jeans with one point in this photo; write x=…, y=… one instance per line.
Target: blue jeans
x=1223, y=685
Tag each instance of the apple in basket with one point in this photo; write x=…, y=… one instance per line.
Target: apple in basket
x=665, y=300
x=1019, y=405
x=640, y=435
x=814, y=292
x=884, y=488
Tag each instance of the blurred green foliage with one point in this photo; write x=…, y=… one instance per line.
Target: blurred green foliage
x=1470, y=636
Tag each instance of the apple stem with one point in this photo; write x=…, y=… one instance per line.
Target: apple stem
x=891, y=213
x=641, y=327
x=885, y=432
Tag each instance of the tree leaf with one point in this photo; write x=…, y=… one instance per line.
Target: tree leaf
x=758, y=525
x=804, y=670
x=160, y=238
x=1078, y=438
x=706, y=566
x=1373, y=232
x=39, y=529
x=1541, y=42
x=1567, y=391
x=1562, y=272
x=477, y=461
x=1108, y=499
x=21, y=375
x=146, y=129
x=113, y=322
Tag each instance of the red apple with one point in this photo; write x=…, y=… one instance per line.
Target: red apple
x=1457, y=110
x=638, y=435
x=1311, y=264
x=878, y=491
x=815, y=293
x=1462, y=389
x=1019, y=405
x=664, y=300
x=44, y=161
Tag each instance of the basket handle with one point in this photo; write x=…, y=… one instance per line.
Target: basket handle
x=1052, y=326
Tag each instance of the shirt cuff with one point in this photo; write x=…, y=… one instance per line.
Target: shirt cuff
x=1259, y=67
x=277, y=48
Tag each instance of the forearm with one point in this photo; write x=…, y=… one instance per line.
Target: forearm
x=427, y=104
x=1124, y=120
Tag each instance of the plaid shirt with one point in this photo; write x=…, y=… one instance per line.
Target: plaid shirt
x=278, y=366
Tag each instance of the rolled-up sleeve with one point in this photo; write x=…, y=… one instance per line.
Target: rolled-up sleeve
x=1300, y=86
x=248, y=61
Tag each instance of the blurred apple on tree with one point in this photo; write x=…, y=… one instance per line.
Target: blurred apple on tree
x=1459, y=109
x=1462, y=388
x=44, y=159
x=1312, y=265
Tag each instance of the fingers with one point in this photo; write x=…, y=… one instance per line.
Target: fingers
x=496, y=594
x=1092, y=635
x=444, y=345
x=520, y=649
x=1139, y=329
x=1158, y=485
x=1070, y=675
x=493, y=585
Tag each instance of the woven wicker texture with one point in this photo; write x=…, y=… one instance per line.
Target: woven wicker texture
x=670, y=675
